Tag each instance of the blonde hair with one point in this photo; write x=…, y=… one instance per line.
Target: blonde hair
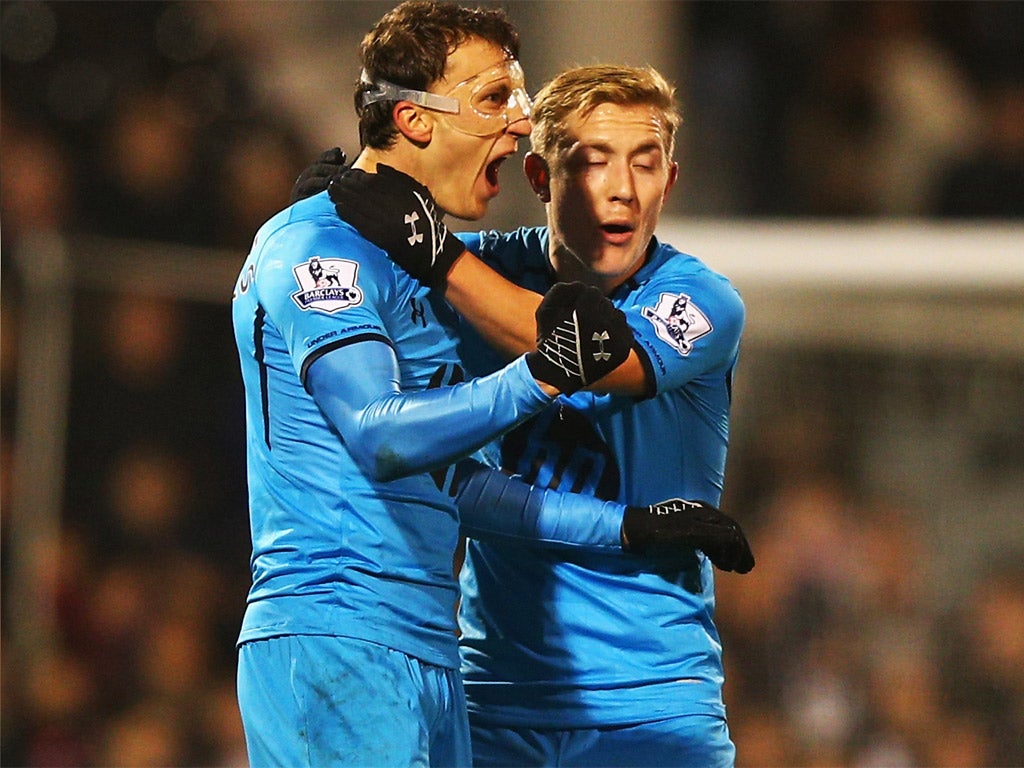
x=583, y=89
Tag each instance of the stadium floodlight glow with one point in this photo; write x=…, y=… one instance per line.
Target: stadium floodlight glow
x=485, y=104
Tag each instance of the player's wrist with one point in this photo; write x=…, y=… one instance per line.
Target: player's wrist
x=451, y=251
x=534, y=390
x=637, y=529
x=627, y=546
x=547, y=389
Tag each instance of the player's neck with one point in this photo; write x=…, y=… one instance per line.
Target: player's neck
x=395, y=158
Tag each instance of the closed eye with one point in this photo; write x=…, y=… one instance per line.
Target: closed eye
x=648, y=159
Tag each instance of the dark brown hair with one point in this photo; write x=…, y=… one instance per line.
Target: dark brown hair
x=410, y=46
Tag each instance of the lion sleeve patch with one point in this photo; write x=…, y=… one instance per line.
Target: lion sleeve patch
x=328, y=285
x=677, y=321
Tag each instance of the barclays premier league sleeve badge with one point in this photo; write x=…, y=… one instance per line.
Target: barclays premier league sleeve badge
x=677, y=321
x=327, y=285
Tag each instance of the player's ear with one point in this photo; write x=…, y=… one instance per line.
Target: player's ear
x=673, y=176
x=412, y=122
x=539, y=175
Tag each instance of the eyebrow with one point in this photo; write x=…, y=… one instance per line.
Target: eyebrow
x=601, y=146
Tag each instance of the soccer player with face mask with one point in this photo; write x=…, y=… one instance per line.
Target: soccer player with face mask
x=357, y=405
x=582, y=656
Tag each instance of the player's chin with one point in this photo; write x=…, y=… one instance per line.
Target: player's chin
x=472, y=209
x=612, y=262
x=480, y=200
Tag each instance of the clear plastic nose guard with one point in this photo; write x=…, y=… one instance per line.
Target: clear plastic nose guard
x=482, y=105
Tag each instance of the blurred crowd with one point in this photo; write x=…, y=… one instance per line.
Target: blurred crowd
x=851, y=643
x=137, y=120
x=833, y=657
x=878, y=109
x=142, y=121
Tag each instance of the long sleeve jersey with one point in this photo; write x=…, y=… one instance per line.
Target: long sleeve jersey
x=353, y=527
x=562, y=638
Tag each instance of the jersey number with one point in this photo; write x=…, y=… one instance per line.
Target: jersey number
x=560, y=449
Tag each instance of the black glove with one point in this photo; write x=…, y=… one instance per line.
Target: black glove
x=397, y=213
x=697, y=524
x=316, y=177
x=581, y=337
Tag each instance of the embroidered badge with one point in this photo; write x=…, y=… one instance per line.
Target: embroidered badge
x=677, y=321
x=328, y=285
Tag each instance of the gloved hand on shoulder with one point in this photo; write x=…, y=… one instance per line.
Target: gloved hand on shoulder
x=398, y=214
x=316, y=177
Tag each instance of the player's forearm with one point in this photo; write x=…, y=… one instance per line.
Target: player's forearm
x=393, y=434
x=500, y=311
x=416, y=432
x=494, y=506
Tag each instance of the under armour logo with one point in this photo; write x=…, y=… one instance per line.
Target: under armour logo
x=411, y=219
x=419, y=312
x=601, y=338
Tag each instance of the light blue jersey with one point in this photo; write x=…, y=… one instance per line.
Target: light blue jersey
x=576, y=638
x=335, y=551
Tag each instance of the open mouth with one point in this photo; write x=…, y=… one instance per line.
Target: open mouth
x=491, y=172
x=615, y=233
x=616, y=229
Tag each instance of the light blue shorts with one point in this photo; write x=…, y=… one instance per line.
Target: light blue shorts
x=309, y=700
x=695, y=741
